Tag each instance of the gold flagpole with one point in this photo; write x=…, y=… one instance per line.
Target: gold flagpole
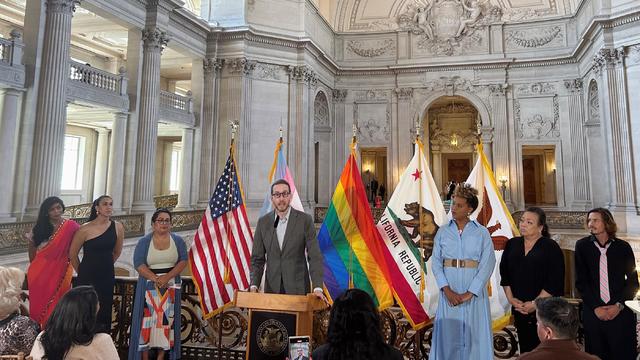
x=422, y=240
x=227, y=227
x=354, y=144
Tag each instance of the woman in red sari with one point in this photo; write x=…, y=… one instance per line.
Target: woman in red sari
x=49, y=274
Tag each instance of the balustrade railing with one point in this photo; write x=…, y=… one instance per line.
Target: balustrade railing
x=174, y=101
x=166, y=201
x=99, y=79
x=11, y=49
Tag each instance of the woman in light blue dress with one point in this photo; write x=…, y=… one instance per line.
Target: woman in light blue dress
x=463, y=260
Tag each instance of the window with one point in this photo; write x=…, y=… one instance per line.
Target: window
x=73, y=162
x=174, y=182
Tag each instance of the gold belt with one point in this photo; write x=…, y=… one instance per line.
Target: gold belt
x=457, y=263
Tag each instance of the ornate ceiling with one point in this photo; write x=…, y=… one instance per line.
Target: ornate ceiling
x=381, y=15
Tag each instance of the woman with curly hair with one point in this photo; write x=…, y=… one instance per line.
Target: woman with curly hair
x=49, y=274
x=354, y=331
x=70, y=332
x=463, y=260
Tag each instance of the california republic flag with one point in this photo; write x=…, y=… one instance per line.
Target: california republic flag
x=408, y=226
x=493, y=213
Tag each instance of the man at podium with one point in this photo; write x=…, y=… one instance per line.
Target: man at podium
x=284, y=240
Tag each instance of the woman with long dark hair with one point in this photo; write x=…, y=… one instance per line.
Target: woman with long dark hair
x=532, y=266
x=49, y=274
x=70, y=332
x=101, y=240
x=159, y=258
x=354, y=331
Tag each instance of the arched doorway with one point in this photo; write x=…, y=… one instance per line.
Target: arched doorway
x=450, y=129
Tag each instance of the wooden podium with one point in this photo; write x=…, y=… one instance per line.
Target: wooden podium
x=275, y=317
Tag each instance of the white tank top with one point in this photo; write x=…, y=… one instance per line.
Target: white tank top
x=162, y=259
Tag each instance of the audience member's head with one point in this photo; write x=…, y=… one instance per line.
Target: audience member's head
x=11, y=280
x=72, y=322
x=354, y=327
x=557, y=319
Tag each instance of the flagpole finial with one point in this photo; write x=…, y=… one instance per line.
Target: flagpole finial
x=354, y=128
x=234, y=124
x=418, y=130
x=281, y=120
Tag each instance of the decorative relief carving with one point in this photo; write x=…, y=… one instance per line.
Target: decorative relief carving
x=339, y=95
x=607, y=57
x=212, y=64
x=241, y=65
x=539, y=124
x=448, y=27
x=154, y=39
x=303, y=73
x=62, y=6
x=633, y=54
x=536, y=89
x=372, y=95
x=573, y=86
x=268, y=71
x=450, y=85
x=535, y=38
x=374, y=131
x=321, y=110
x=594, y=103
x=498, y=89
x=370, y=50
x=404, y=93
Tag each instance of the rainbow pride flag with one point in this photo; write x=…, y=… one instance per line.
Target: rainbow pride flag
x=280, y=170
x=351, y=244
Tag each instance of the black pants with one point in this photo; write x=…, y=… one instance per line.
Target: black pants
x=527, y=331
x=610, y=340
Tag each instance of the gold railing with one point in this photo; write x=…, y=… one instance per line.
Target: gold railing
x=166, y=201
x=77, y=211
x=186, y=220
x=13, y=241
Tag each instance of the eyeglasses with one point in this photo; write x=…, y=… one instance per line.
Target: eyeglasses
x=278, y=195
x=163, y=221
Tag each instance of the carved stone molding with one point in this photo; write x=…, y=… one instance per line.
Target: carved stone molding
x=450, y=85
x=404, y=93
x=607, y=57
x=455, y=108
x=374, y=131
x=593, y=103
x=538, y=125
x=268, y=72
x=212, y=64
x=536, y=89
x=498, y=89
x=154, y=39
x=62, y=6
x=371, y=49
x=339, y=95
x=465, y=138
x=534, y=38
x=241, y=65
x=303, y=73
x=573, y=86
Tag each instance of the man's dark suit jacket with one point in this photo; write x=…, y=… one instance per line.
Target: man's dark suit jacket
x=286, y=268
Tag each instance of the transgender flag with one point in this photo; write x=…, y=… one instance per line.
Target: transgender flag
x=280, y=170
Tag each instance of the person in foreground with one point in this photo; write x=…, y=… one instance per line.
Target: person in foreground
x=280, y=241
x=532, y=266
x=606, y=277
x=557, y=330
x=159, y=258
x=49, y=274
x=17, y=332
x=463, y=260
x=354, y=331
x=101, y=240
x=70, y=331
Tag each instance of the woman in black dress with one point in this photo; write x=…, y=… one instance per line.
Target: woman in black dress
x=532, y=266
x=101, y=240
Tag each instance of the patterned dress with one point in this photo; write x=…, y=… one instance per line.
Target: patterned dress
x=17, y=334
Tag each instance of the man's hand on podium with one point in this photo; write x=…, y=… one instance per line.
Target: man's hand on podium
x=320, y=294
x=253, y=288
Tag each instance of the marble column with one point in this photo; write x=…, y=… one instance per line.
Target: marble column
x=51, y=107
x=115, y=174
x=339, y=96
x=186, y=165
x=208, y=126
x=609, y=65
x=486, y=137
x=500, y=148
x=102, y=161
x=581, y=195
x=8, y=142
x=154, y=42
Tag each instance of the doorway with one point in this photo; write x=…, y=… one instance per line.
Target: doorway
x=374, y=172
x=539, y=175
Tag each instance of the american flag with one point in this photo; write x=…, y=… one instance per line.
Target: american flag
x=222, y=245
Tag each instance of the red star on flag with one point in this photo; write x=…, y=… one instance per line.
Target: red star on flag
x=416, y=175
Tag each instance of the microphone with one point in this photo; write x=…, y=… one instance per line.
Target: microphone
x=275, y=224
